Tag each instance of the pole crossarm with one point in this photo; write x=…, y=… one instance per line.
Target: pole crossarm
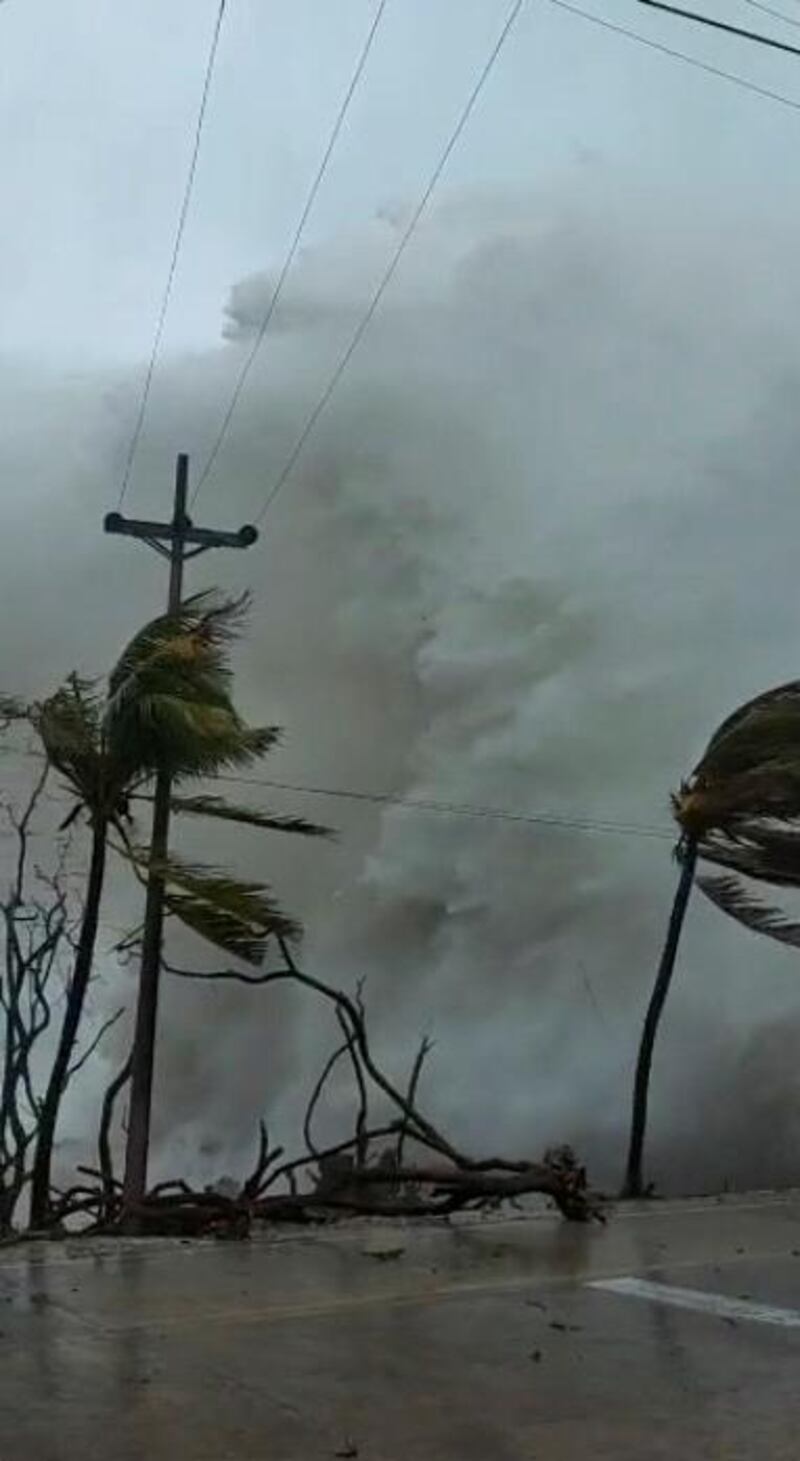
x=156, y=533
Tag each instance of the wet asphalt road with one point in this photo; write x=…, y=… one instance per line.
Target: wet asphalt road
x=412, y=1344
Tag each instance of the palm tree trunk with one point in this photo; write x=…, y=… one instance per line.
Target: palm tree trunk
x=137, y=1147
x=633, y=1186
x=76, y=995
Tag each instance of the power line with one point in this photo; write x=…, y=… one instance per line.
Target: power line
x=734, y=30
x=176, y=248
x=393, y=263
x=309, y=203
x=777, y=14
x=461, y=809
x=632, y=35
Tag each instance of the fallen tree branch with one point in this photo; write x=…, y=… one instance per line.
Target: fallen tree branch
x=349, y=1144
x=365, y=1173
x=414, y=1191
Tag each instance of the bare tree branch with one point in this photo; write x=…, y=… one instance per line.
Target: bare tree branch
x=332, y=1061
x=421, y=1056
x=265, y=1159
x=355, y=1020
x=35, y=920
x=362, y=1112
x=93, y=1044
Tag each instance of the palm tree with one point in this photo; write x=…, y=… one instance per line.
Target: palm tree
x=739, y=810
x=167, y=705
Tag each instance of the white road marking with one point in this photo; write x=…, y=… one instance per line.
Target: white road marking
x=699, y=1301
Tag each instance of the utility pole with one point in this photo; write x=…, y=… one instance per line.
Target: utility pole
x=178, y=541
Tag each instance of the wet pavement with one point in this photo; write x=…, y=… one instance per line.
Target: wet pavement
x=493, y=1339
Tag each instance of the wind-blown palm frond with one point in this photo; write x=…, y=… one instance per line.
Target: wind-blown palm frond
x=216, y=806
x=69, y=725
x=215, y=926
x=769, y=721
x=756, y=850
x=169, y=703
x=235, y=915
x=198, y=635
x=728, y=894
x=742, y=801
x=742, y=808
x=169, y=708
x=750, y=768
x=187, y=737
x=231, y=745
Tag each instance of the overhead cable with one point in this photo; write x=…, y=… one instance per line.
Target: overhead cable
x=697, y=18
x=405, y=239
x=460, y=809
x=249, y=359
x=176, y=249
x=776, y=14
x=621, y=30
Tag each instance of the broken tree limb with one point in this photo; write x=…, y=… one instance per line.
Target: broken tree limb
x=367, y=1172
x=413, y=1191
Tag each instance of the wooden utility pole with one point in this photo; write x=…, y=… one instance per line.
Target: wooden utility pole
x=178, y=541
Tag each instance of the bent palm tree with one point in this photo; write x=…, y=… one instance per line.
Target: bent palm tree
x=739, y=810
x=168, y=705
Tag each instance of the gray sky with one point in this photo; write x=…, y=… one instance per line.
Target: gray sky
x=97, y=102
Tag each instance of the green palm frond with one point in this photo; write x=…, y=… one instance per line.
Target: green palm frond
x=187, y=737
x=235, y=915
x=728, y=894
x=755, y=731
x=215, y=926
x=169, y=703
x=209, y=620
x=223, y=743
x=750, y=768
x=69, y=726
x=757, y=850
x=70, y=719
x=238, y=918
x=216, y=806
x=741, y=806
x=190, y=647
x=169, y=708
